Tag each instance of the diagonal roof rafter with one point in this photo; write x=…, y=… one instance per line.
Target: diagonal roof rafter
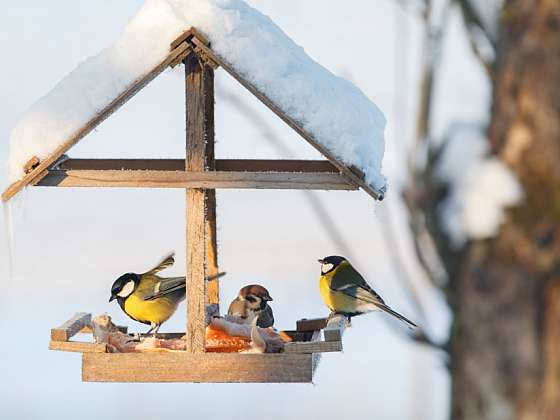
x=191, y=41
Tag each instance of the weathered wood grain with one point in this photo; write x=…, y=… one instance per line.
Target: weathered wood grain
x=313, y=347
x=71, y=327
x=311, y=324
x=77, y=346
x=208, y=180
x=186, y=367
x=223, y=165
x=31, y=164
x=346, y=171
x=103, y=114
x=335, y=328
x=212, y=286
x=197, y=78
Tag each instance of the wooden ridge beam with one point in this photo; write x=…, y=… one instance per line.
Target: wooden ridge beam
x=207, y=179
x=231, y=165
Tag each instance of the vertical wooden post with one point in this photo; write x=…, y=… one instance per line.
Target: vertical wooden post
x=212, y=286
x=200, y=147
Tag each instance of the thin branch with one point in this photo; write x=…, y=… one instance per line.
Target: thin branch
x=472, y=18
x=470, y=28
x=395, y=257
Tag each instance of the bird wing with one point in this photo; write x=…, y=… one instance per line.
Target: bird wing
x=348, y=281
x=167, y=262
x=238, y=308
x=170, y=285
x=165, y=286
x=265, y=317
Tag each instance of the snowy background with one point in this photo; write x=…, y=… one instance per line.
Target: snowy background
x=69, y=245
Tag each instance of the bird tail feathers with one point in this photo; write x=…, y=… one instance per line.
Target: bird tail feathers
x=407, y=321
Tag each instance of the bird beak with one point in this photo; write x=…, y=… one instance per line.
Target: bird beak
x=268, y=299
x=320, y=261
x=112, y=298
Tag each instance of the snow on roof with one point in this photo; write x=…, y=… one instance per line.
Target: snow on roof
x=333, y=110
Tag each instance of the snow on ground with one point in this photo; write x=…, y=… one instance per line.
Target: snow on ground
x=337, y=113
x=481, y=188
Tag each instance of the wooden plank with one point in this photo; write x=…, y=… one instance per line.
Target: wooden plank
x=105, y=113
x=71, y=327
x=335, y=328
x=78, y=347
x=347, y=172
x=199, y=128
x=311, y=324
x=31, y=164
x=224, y=165
x=313, y=347
x=181, y=38
x=212, y=286
x=208, y=367
x=209, y=179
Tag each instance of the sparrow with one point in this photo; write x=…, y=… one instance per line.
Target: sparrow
x=252, y=301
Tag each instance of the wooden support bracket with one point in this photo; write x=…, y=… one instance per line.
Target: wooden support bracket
x=71, y=327
x=335, y=328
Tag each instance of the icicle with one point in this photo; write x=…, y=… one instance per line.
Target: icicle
x=9, y=237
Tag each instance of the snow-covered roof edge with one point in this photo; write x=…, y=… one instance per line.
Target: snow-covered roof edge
x=336, y=114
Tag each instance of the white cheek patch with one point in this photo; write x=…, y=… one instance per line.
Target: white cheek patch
x=126, y=290
x=326, y=267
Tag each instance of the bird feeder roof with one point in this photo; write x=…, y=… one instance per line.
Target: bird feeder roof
x=329, y=112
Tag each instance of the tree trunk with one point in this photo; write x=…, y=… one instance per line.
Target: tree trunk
x=505, y=340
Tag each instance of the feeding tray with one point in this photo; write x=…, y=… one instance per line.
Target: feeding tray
x=296, y=363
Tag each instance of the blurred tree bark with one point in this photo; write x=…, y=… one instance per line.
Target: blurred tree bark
x=505, y=291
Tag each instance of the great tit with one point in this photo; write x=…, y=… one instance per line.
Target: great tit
x=132, y=291
x=252, y=301
x=345, y=291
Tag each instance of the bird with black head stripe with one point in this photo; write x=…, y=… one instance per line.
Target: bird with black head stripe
x=133, y=292
x=346, y=292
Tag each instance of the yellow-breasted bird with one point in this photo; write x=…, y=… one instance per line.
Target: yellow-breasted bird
x=345, y=291
x=252, y=301
x=133, y=292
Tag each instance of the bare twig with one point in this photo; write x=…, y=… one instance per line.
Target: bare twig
x=472, y=18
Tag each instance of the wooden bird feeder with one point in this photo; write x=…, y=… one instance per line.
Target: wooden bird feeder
x=200, y=175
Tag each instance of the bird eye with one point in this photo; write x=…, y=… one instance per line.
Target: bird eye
x=251, y=298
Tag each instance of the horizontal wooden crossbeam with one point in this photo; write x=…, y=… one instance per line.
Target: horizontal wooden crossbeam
x=234, y=165
x=183, y=179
